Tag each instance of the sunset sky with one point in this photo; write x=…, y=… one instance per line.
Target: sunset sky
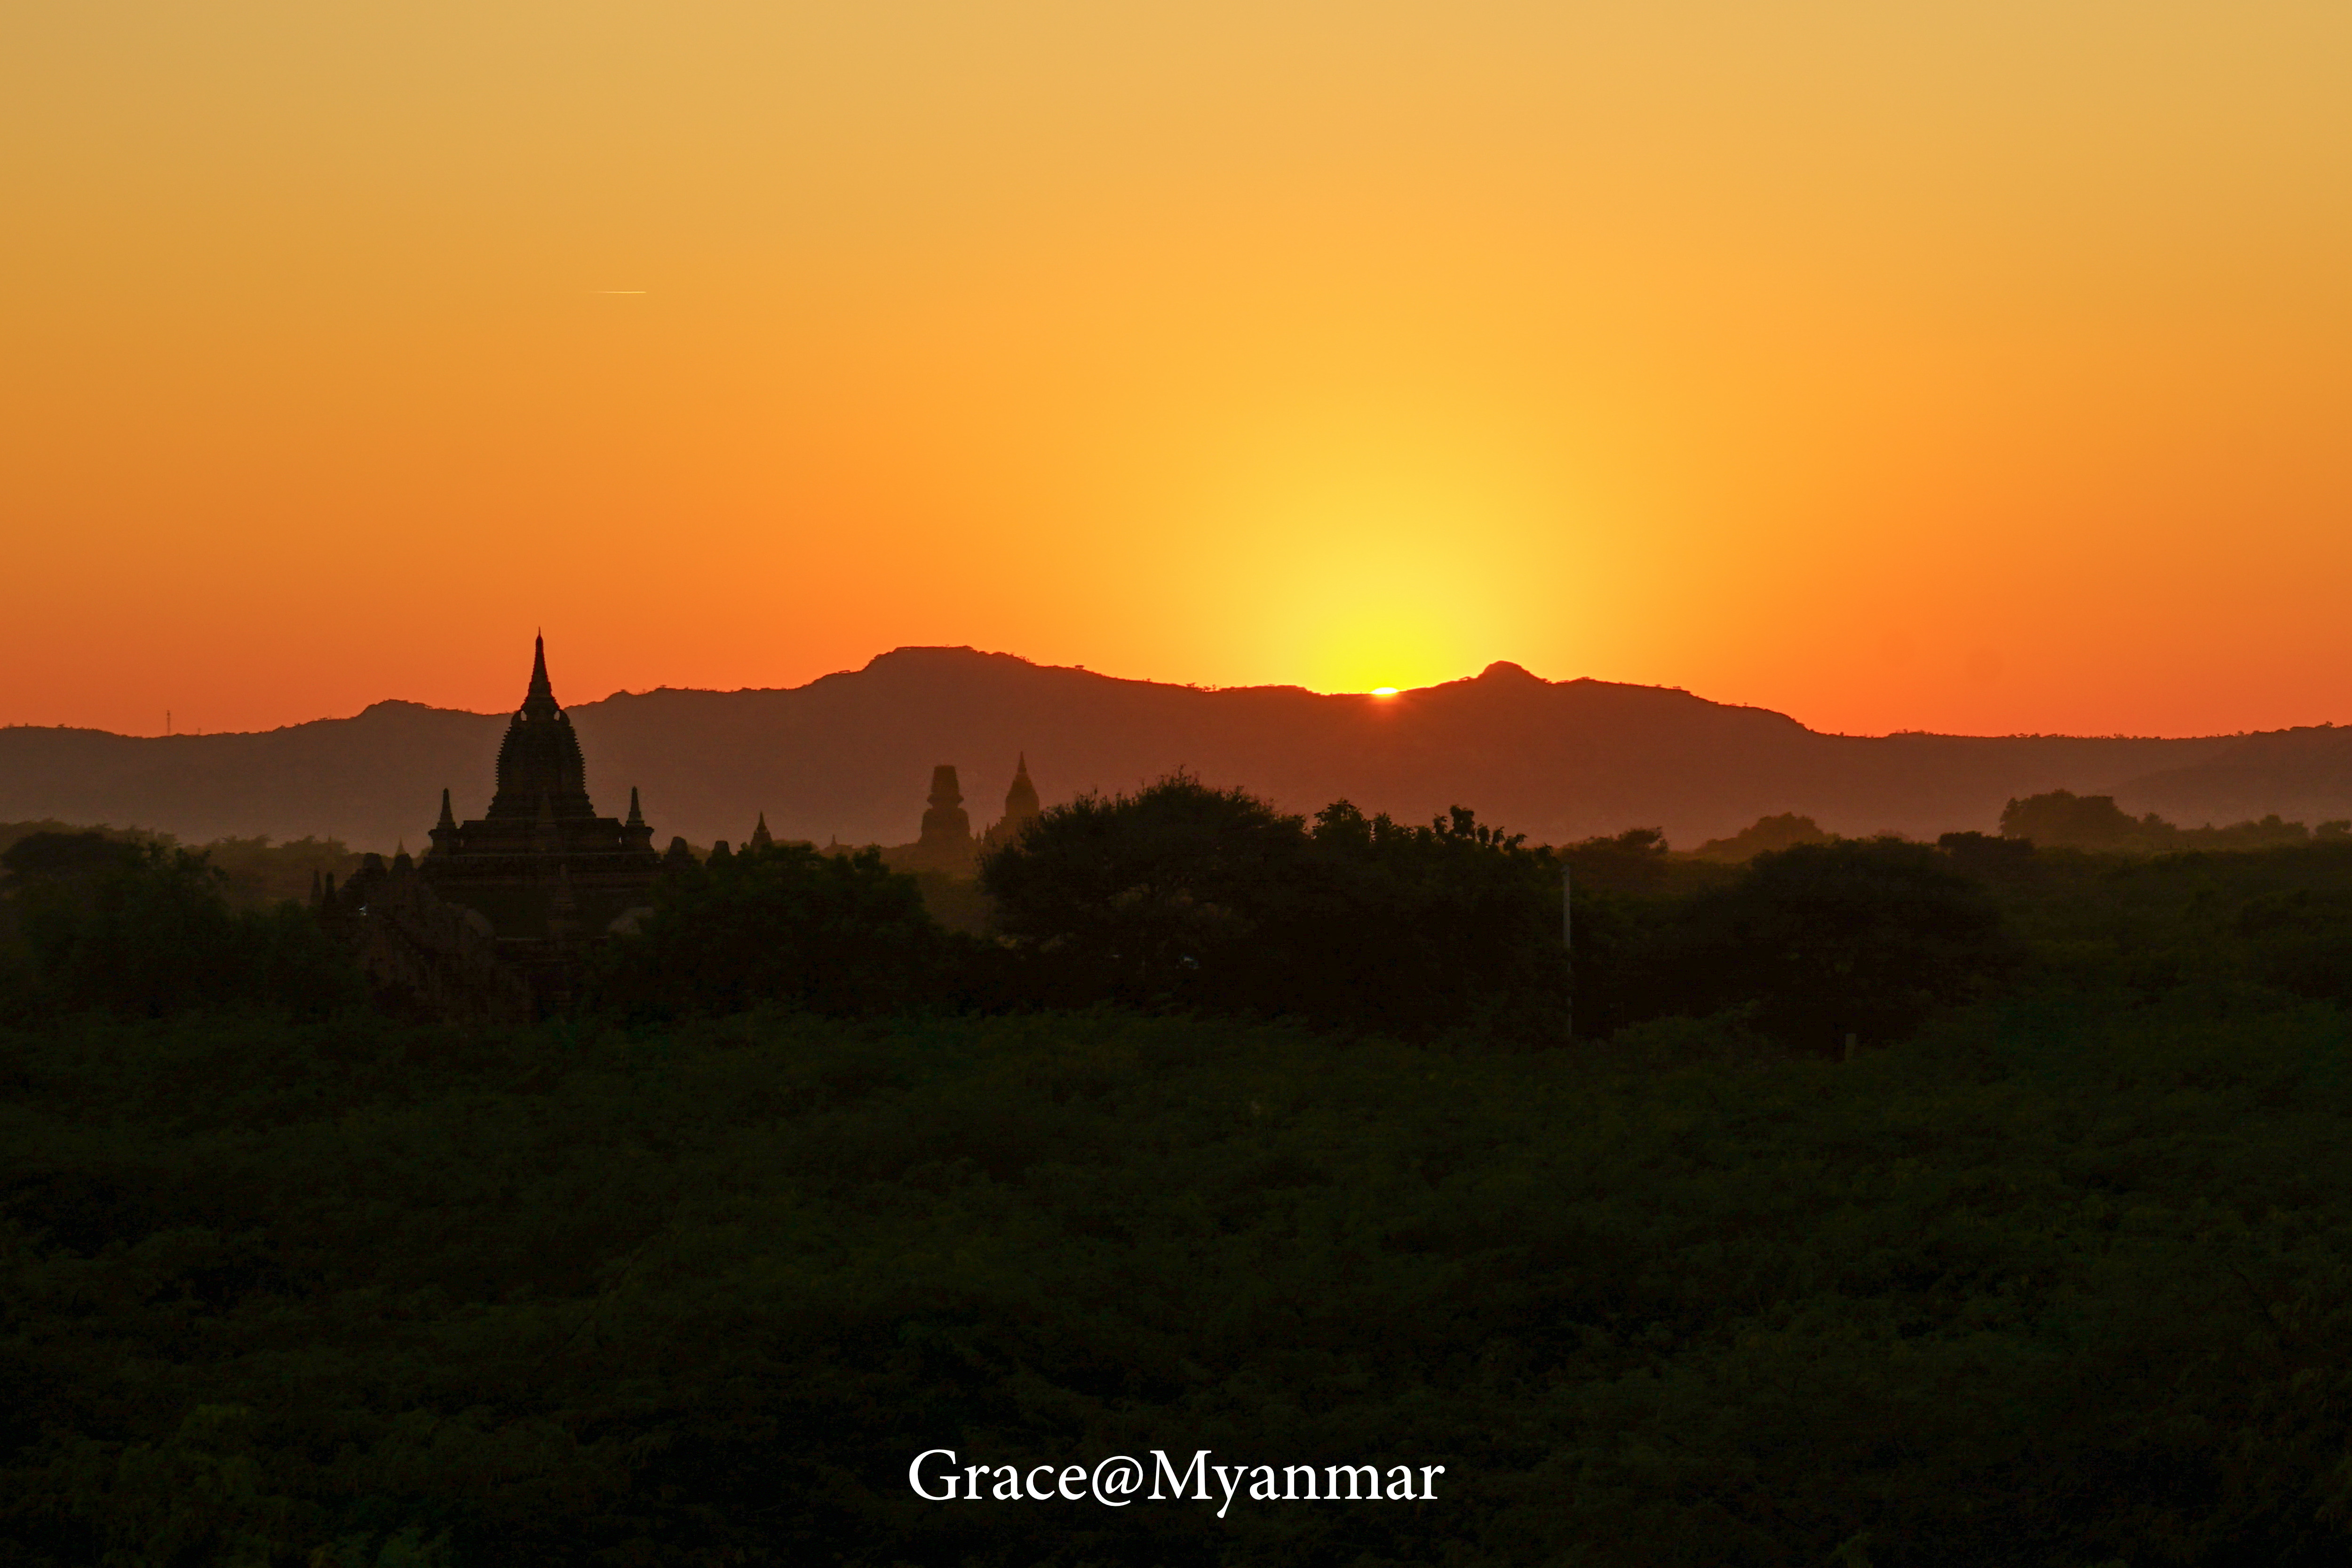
x=1980, y=367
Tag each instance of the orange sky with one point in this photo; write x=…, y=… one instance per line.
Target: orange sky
x=1980, y=367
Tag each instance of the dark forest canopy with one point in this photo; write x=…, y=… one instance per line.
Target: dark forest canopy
x=254, y=872
x=2063, y=820
x=140, y=928
x=1185, y=896
x=357, y=1293
x=1296, y=1139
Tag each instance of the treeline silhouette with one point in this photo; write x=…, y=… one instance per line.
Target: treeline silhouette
x=1304, y=1140
x=1182, y=898
x=138, y=926
x=2062, y=819
x=254, y=872
x=1185, y=898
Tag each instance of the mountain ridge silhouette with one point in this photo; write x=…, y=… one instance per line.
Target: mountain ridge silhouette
x=849, y=754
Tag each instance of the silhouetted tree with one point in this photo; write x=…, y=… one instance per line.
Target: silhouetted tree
x=78, y=857
x=1983, y=855
x=1634, y=861
x=839, y=934
x=1136, y=897
x=1185, y=895
x=2302, y=941
x=1766, y=834
x=1864, y=937
x=2062, y=818
x=1413, y=930
x=145, y=929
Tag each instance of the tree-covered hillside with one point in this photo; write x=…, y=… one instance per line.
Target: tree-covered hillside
x=1865, y=1203
x=2064, y=1281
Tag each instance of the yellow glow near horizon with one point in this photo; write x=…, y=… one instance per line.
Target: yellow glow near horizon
x=1372, y=520
x=1385, y=691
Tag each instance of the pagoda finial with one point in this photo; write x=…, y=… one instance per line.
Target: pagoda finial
x=539, y=700
x=449, y=818
x=636, y=817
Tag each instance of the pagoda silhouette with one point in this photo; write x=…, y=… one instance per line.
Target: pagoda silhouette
x=548, y=875
x=948, y=846
x=1020, y=809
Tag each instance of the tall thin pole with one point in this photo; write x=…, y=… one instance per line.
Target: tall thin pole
x=1568, y=940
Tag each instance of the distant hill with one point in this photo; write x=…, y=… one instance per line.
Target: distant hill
x=851, y=755
x=2304, y=775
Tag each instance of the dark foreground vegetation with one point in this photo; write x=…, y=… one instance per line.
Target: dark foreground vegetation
x=2056, y=1270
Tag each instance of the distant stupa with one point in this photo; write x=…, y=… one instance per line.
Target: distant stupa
x=1021, y=809
x=948, y=844
x=947, y=830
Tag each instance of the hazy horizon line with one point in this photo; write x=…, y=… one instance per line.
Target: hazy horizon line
x=1378, y=694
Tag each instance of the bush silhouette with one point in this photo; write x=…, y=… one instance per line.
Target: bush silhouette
x=1147, y=896
x=2301, y=941
x=1862, y=937
x=146, y=929
x=1183, y=895
x=839, y=934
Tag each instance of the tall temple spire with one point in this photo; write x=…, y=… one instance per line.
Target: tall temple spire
x=540, y=755
x=1020, y=806
x=636, y=817
x=540, y=702
x=445, y=832
x=1021, y=799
